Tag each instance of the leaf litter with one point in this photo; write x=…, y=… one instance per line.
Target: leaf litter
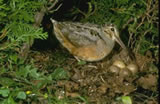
x=95, y=82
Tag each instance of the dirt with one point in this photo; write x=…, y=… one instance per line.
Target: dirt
x=96, y=82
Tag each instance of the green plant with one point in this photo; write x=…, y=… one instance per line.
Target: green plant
x=136, y=20
x=15, y=30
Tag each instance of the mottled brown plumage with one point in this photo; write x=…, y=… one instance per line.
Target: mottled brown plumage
x=87, y=41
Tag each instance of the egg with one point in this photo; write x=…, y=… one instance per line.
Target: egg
x=125, y=72
x=114, y=69
x=133, y=68
x=119, y=64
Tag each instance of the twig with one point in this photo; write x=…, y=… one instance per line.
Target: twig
x=49, y=8
x=55, y=9
x=3, y=34
x=130, y=20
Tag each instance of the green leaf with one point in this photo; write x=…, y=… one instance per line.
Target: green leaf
x=33, y=73
x=21, y=95
x=126, y=100
x=14, y=58
x=81, y=62
x=6, y=81
x=23, y=72
x=2, y=70
x=8, y=101
x=59, y=73
x=4, y=92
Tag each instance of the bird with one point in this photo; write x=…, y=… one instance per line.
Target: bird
x=87, y=41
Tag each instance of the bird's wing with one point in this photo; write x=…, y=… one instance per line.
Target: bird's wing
x=79, y=34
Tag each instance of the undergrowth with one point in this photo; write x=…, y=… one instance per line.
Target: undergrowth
x=137, y=21
x=16, y=29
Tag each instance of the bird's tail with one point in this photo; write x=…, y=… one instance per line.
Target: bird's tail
x=53, y=21
x=63, y=40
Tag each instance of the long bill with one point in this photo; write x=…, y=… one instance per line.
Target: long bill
x=130, y=53
x=119, y=41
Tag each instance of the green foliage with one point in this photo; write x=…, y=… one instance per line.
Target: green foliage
x=7, y=81
x=4, y=11
x=126, y=100
x=16, y=20
x=59, y=73
x=81, y=62
x=4, y=92
x=21, y=95
x=138, y=18
x=10, y=100
x=15, y=10
x=16, y=29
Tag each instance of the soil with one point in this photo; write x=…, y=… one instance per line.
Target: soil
x=96, y=82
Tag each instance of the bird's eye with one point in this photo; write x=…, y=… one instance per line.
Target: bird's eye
x=112, y=29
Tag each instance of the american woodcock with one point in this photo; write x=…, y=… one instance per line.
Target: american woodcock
x=86, y=41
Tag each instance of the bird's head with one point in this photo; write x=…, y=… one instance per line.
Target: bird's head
x=111, y=32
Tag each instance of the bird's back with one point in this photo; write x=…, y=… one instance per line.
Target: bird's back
x=79, y=34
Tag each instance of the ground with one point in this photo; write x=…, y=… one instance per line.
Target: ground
x=95, y=82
